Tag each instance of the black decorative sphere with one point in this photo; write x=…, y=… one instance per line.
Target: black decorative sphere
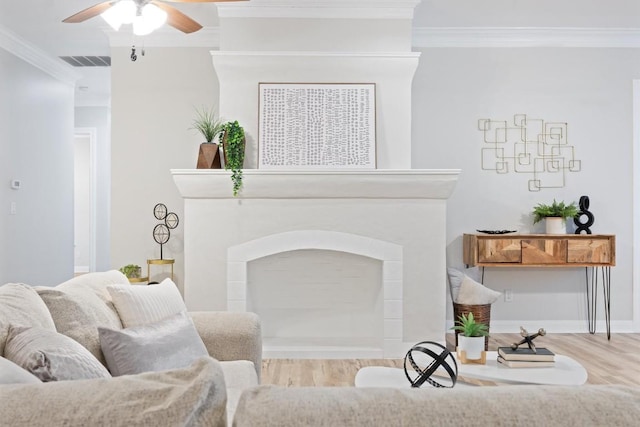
x=427, y=357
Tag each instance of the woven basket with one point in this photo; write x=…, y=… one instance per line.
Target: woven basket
x=481, y=313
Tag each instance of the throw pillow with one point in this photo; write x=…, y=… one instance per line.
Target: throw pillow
x=456, y=276
x=77, y=312
x=51, y=356
x=20, y=305
x=168, y=344
x=474, y=293
x=96, y=281
x=10, y=373
x=139, y=305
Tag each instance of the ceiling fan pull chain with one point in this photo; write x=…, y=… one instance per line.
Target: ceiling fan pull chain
x=134, y=57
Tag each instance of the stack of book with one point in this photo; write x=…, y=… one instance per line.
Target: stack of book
x=526, y=357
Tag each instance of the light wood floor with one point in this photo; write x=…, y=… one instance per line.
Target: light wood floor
x=607, y=362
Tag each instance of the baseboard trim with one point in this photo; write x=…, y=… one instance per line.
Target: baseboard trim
x=556, y=326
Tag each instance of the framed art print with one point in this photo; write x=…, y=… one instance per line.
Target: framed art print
x=317, y=126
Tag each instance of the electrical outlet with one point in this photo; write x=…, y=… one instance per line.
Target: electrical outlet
x=508, y=295
x=13, y=209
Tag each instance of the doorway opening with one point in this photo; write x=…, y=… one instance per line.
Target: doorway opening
x=84, y=200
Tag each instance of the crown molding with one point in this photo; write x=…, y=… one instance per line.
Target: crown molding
x=165, y=37
x=423, y=37
x=29, y=53
x=323, y=9
x=309, y=54
x=526, y=37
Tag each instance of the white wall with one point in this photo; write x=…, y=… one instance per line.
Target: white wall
x=152, y=103
x=528, y=13
x=100, y=119
x=591, y=90
x=36, y=146
x=588, y=88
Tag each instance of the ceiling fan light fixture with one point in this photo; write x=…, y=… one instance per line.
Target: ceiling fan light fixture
x=155, y=16
x=123, y=12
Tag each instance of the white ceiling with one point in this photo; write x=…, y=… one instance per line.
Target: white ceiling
x=40, y=23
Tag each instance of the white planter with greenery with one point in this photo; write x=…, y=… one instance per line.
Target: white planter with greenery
x=555, y=225
x=555, y=216
x=472, y=346
x=471, y=337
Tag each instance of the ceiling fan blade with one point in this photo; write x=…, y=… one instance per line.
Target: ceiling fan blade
x=89, y=12
x=177, y=19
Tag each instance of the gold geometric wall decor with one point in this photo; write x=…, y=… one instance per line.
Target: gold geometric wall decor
x=531, y=146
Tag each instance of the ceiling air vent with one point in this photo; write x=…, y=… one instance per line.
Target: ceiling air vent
x=87, y=61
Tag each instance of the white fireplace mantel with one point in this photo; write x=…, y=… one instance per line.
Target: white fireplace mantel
x=395, y=219
x=271, y=184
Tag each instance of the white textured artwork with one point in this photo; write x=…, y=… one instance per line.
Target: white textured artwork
x=317, y=126
x=528, y=145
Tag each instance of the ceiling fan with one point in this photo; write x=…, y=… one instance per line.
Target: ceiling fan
x=147, y=14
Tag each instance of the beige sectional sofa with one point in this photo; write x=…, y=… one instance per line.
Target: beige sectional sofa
x=223, y=390
x=205, y=393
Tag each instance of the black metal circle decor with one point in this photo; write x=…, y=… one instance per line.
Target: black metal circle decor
x=580, y=217
x=160, y=211
x=161, y=232
x=424, y=359
x=171, y=220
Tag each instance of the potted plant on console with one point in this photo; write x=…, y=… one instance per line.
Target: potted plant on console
x=471, y=338
x=210, y=127
x=555, y=215
x=233, y=143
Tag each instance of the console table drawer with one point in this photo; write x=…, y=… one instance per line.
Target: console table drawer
x=592, y=251
x=499, y=250
x=544, y=251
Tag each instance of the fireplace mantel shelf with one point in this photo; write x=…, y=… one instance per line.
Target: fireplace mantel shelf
x=288, y=184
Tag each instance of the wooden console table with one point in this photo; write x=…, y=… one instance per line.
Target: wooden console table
x=595, y=252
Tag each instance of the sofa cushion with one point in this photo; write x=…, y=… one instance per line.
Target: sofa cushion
x=20, y=305
x=522, y=405
x=51, y=356
x=10, y=373
x=78, y=312
x=168, y=344
x=139, y=305
x=193, y=396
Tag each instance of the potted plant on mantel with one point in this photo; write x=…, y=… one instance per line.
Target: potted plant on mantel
x=471, y=337
x=233, y=143
x=210, y=127
x=555, y=216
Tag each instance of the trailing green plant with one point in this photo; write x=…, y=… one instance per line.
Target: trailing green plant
x=207, y=124
x=556, y=209
x=233, y=137
x=131, y=271
x=468, y=326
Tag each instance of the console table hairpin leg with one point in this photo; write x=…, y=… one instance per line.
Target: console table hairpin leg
x=592, y=297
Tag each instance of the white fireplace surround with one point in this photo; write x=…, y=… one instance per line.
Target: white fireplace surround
x=396, y=217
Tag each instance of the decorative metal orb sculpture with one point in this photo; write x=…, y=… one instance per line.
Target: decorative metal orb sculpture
x=427, y=357
x=161, y=232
